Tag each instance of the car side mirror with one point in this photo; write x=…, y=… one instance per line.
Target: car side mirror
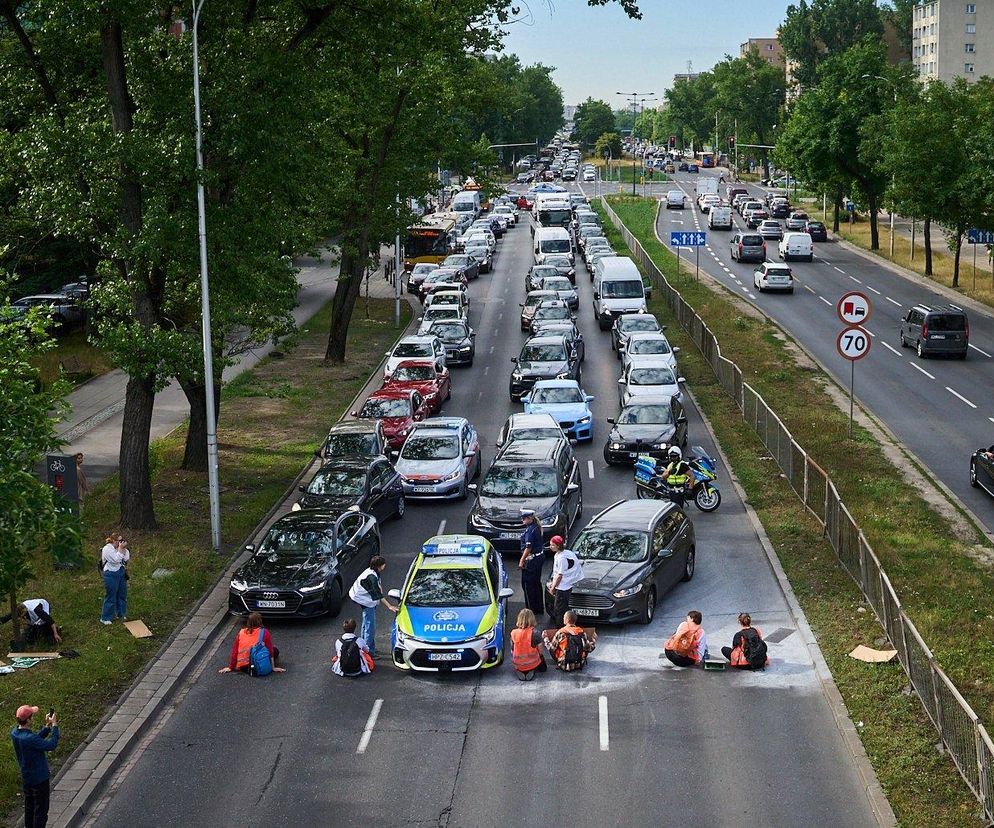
x=250, y=547
x=682, y=418
x=622, y=348
x=681, y=380
x=596, y=295
x=648, y=292
x=395, y=454
x=572, y=487
x=419, y=416
x=394, y=593
x=527, y=398
x=354, y=413
x=472, y=487
x=589, y=397
x=621, y=380
x=521, y=304
x=375, y=490
x=514, y=360
x=506, y=592
x=317, y=452
x=301, y=488
x=676, y=350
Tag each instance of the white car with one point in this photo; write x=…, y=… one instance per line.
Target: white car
x=707, y=201
x=439, y=313
x=414, y=347
x=589, y=175
x=648, y=346
x=772, y=276
x=455, y=298
x=503, y=211
x=796, y=246
x=647, y=377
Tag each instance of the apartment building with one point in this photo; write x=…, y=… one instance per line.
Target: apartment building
x=953, y=39
x=767, y=48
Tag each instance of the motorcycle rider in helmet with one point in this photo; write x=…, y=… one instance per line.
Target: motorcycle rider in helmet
x=678, y=475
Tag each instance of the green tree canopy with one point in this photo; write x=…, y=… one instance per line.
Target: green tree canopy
x=592, y=119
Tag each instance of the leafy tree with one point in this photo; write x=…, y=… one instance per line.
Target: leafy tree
x=591, y=121
x=608, y=144
x=691, y=108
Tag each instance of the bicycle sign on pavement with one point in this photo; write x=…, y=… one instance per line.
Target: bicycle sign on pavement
x=854, y=308
x=681, y=238
x=853, y=343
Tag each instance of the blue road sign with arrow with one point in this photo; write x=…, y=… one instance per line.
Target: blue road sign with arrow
x=679, y=238
x=976, y=236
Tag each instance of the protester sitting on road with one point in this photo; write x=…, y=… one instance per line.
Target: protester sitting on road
x=30, y=749
x=570, y=645
x=748, y=650
x=246, y=639
x=689, y=644
x=352, y=656
x=114, y=559
x=526, y=639
x=367, y=592
x=36, y=615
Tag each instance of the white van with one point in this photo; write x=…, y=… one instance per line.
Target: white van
x=618, y=289
x=796, y=246
x=466, y=201
x=551, y=241
x=675, y=200
x=706, y=185
x=720, y=218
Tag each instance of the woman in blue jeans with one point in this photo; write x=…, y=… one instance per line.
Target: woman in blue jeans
x=113, y=557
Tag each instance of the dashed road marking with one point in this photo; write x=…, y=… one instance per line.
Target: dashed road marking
x=892, y=301
x=875, y=290
x=839, y=269
x=919, y=368
x=809, y=289
x=590, y=469
x=960, y=396
x=857, y=281
x=980, y=351
x=605, y=733
x=370, y=724
x=823, y=299
x=441, y=527
x=891, y=348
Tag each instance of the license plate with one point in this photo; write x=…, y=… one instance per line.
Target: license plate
x=424, y=489
x=632, y=455
x=509, y=535
x=586, y=611
x=271, y=604
x=444, y=656
x=937, y=336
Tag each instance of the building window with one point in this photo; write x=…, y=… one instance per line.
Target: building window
x=931, y=28
x=970, y=47
x=968, y=68
x=971, y=28
x=971, y=8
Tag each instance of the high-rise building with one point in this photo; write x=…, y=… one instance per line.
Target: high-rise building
x=953, y=39
x=768, y=48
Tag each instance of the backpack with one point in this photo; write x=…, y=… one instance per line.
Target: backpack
x=260, y=662
x=686, y=644
x=350, y=660
x=573, y=653
x=753, y=649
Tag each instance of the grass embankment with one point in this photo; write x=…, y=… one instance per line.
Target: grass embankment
x=80, y=360
x=944, y=590
x=622, y=170
x=272, y=418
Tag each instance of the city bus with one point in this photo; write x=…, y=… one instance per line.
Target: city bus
x=430, y=240
x=707, y=159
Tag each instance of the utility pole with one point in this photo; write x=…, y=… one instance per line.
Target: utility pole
x=635, y=96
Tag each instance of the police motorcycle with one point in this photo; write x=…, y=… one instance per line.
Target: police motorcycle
x=705, y=494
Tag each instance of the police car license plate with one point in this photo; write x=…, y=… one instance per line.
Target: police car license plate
x=423, y=489
x=444, y=656
x=271, y=604
x=585, y=611
x=509, y=535
x=632, y=455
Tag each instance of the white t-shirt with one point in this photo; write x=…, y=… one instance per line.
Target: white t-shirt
x=561, y=565
x=31, y=604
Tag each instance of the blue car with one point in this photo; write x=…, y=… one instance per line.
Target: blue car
x=692, y=168
x=453, y=607
x=566, y=402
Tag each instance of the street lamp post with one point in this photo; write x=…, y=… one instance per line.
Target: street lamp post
x=205, y=300
x=893, y=177
x=635, y=96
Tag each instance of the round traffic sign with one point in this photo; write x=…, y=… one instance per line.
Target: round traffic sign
x=853, y=343
x=854, y=308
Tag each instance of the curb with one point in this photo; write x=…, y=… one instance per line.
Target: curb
x=127, y=719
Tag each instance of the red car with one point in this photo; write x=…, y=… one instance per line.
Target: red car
x=523, y=203
x=398, y=409
x=430, y=379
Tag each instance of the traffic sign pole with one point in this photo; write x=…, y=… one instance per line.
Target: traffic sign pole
x=852, y=387
x=852, y=343
x=697, y=264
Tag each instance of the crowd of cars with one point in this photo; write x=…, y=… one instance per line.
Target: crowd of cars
x=65, y=307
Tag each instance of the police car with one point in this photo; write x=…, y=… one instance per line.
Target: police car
x=453, y=607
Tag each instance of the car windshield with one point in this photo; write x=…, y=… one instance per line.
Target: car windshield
x=634, y=323
x=445, y=299
x=520, y=481
x=558, y=261
x=431, y=447
x=351, y=445
x=646, y=415
x=345, y=482
x=554, y=312
x=536, y=434
x=449, y=332
x=423, y=268
x=557, y=283
x=649, y=346
x=555, y=245
x=656, y=375
x=543, y=272
x=946, y=322
x=624, y=545
x=556, y=395
x=628, y=289
x=455, y=261
x=414, y=373
x=386, y=408
x=412, y=349
x=448, y=588
x=298, y=542
x=552, y=352
x=477, y=250
x=441, y=312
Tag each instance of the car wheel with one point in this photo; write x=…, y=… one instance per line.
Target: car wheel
x=921, y=351
x=690, y=565
x=904, y=344
x=401, y=507
x=973, y=475
x=649, y=607
x=333, y=600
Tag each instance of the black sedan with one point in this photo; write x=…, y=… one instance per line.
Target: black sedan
x=305, y=564
x=458, y=338
x=464, y=263
x=633, y=553
x=817, y=230
x=565, y=327
x=354, y=438
x=647, y=425
x=982, y=469
x=372, y=487
x=542, y=357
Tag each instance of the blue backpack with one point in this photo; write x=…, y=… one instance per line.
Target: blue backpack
x=260, y=662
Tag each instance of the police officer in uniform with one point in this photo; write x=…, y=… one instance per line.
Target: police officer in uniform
x=678, y=475
x=530, y=563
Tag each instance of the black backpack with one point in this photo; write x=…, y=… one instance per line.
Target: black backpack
x=575, y=649
x=753, y=649
x=350, y=659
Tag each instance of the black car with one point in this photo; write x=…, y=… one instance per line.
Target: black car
x=527, y=474
x=550, y=310
x=354, y=438
x=535, y=275
x=542, y=357
x=458, y=338
x=567, y=328
x=372, y=487
x=563, y=266
x=465, y=264
x=647, y=425
x=817, y=230
x=629, y=323
x=633, y=553
x=304, y=565
x=982, y=469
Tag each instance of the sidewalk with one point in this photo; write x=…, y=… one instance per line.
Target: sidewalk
x=93, y=425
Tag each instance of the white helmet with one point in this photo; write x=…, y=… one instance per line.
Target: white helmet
x=674, y=453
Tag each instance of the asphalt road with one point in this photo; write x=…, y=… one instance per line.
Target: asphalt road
x=630, y=740
x=942, y=409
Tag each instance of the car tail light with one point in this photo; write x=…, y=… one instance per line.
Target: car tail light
x=966, y=328
x=925, y=330
x=740, y=247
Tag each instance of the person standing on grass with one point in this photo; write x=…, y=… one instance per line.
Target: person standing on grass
x=114, y=558
x=82, y=486
x=30, y=749
x=367, y=592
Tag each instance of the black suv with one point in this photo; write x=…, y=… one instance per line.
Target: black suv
x=541, y=358
x=527, y=474
x=936, y=329
x=304, y=564
x=633, y=553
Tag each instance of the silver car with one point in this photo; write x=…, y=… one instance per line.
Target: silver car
x=646, y=376
x=563, y=288
x=648, y=345
x=63, y=310
x=439, y=458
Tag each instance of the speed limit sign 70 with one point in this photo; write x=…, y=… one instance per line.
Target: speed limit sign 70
x=853, y=343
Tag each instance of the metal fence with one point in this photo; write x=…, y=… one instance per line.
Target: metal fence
x=964, y=736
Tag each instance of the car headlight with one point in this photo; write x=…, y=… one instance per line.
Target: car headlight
x=401, y=636
x=490, y=636
x=238, y=585
x=661, y=445
x=616, y=445
x=479, y=521
x=583, y=420
x=643, y=309
x=464, y=349
x=454, y=476
x=551, y=520
x=625, y=593
x=295, y=507
x=312, y=587
x=516, y=376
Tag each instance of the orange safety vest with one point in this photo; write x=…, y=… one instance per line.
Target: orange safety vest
x=247, y=639
x=524, y=655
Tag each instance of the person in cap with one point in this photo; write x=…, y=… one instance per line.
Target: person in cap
x=567, y=572
x=531, y=561
x=30, y=749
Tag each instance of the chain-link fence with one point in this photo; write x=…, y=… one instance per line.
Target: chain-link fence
x=964, y=736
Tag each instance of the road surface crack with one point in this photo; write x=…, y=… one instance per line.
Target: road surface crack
x=272, y=773
x=443, y=817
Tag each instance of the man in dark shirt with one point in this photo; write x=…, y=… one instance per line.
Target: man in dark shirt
x=30, y=748
x=530, y=563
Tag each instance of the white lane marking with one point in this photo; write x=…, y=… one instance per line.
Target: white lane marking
x=745, y=289
x=501, y=316
x=874, y=290
x=991, y=419
x=370, y=724
x=919, y=368
x=892, y=301
x=441, y=527
x=809, y=289
x=677, y=221
x=485, y=370
x=839, y=269
x=957, y=394
x=981, y=352
x=751, y=295
x=823, y=299
x=590, y=469
x=605, y=733
x=891, y=348
x=492, y=348
x=857, y=281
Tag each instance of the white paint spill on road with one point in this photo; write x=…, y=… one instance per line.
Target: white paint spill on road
x=605, y=732
x=370, y=724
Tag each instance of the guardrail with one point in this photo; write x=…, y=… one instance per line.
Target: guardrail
x=964, y=736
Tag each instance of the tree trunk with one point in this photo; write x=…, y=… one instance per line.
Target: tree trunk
x=927, y=236
x=195, y=453
x=346, y=294
x=874, y=228
x=15, y=621
x=137, y=511
x=837, y=205
x=959, y=249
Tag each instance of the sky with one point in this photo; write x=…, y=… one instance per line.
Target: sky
x=599, y=51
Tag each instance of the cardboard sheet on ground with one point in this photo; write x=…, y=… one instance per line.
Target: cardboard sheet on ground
x=33, y=655
x=871, y=656
x=138, y=629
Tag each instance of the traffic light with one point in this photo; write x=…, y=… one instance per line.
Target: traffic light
x=731, y=141
x=672, y=142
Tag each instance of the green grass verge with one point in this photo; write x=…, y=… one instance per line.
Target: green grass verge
x=943, y=588
x=81, y=360
x=272, y=419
